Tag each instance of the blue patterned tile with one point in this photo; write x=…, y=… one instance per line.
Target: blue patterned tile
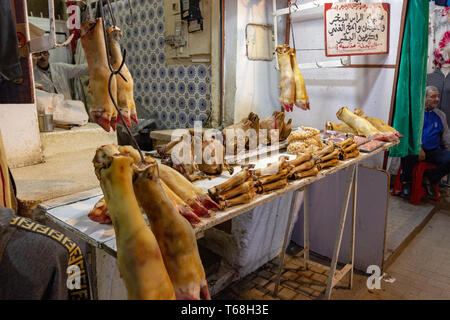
x=191, y=119
x=152, y=44
x=153, y=58
x=181, y=88
x=182, y=118
x=160, y=12
x=181, y=72
x=202, y=104
x=175, y=95
x=191, y=88
x=182, y=103
x=162, y=72
x=161, y=42
x=192, y=104
x=161, y=58
x=191, y=72
x=202, y=71
x=172, y=116
x=202, y=88
x=145, y=59
x=172, y=87
x=163, y=116
x=138, y=87
x=163, y=87
x=173, y=103
x=151, y=29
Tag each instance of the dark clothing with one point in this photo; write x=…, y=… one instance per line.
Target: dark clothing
x=442, y=82
x=10, y=67
x=435, y=144
x=432, y=128
x=437, y=156
x=35, y=261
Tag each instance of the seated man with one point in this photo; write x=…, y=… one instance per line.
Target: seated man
x=434, y=149
x=55, y=77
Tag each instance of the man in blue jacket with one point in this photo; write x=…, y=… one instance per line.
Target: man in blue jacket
x=434, y=149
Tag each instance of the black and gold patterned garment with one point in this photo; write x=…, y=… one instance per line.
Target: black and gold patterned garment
x=38, y=262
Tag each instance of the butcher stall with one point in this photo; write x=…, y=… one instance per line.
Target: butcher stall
x=264, y=136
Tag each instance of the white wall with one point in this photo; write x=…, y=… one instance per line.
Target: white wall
x=20, y=131
x=331, y=88
x=253, y=86
x=250, y=86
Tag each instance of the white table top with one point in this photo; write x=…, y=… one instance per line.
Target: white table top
x=72, y=212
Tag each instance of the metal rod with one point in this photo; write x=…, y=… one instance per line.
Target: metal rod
x=352, y=238
x=285, y=239
x=337, y=245
x=306, y=225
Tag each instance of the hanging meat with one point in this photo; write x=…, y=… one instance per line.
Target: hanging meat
x=287, y=79
x=175, y=236
x=125, y=99
x=101, y=110
x=139, y=256
x=301, y=96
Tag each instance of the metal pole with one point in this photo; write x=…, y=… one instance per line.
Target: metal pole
x=285, y=239
x=337, y=245
x=306, y=226
x=352, y=239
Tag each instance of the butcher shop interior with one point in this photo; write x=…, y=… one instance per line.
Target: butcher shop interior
x=224, y=150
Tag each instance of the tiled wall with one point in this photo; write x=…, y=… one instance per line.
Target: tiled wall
x=176, y=96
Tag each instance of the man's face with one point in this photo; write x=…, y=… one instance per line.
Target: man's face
x=432, y=99
x=41, y=58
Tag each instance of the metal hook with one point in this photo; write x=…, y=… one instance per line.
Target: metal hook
x=318, y=65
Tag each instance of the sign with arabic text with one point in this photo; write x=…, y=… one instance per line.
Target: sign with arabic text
x=356, y=28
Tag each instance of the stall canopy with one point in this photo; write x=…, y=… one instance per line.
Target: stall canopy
x=410, y=97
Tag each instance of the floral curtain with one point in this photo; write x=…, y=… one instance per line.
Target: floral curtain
x=438, y=35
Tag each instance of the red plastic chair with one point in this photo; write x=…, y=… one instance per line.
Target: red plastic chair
x=417, y=190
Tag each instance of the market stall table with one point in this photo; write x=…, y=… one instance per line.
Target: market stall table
x=71, y=212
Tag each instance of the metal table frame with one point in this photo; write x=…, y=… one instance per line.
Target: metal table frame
x=335, y=275
x=228, y=214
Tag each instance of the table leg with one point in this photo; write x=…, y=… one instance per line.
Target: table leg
x=352, y=237
x=306, y=226
x=285, y=239
x=337, y=245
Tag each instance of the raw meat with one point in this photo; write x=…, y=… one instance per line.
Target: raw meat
x=139, y=257
x=101, y=110
x=301, y=96
x=287, y=80
x=125, y=99
x=175, y=236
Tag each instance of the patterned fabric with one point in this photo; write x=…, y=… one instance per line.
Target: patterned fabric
x=75, y=254
x=175, y=96
x=438, y=37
